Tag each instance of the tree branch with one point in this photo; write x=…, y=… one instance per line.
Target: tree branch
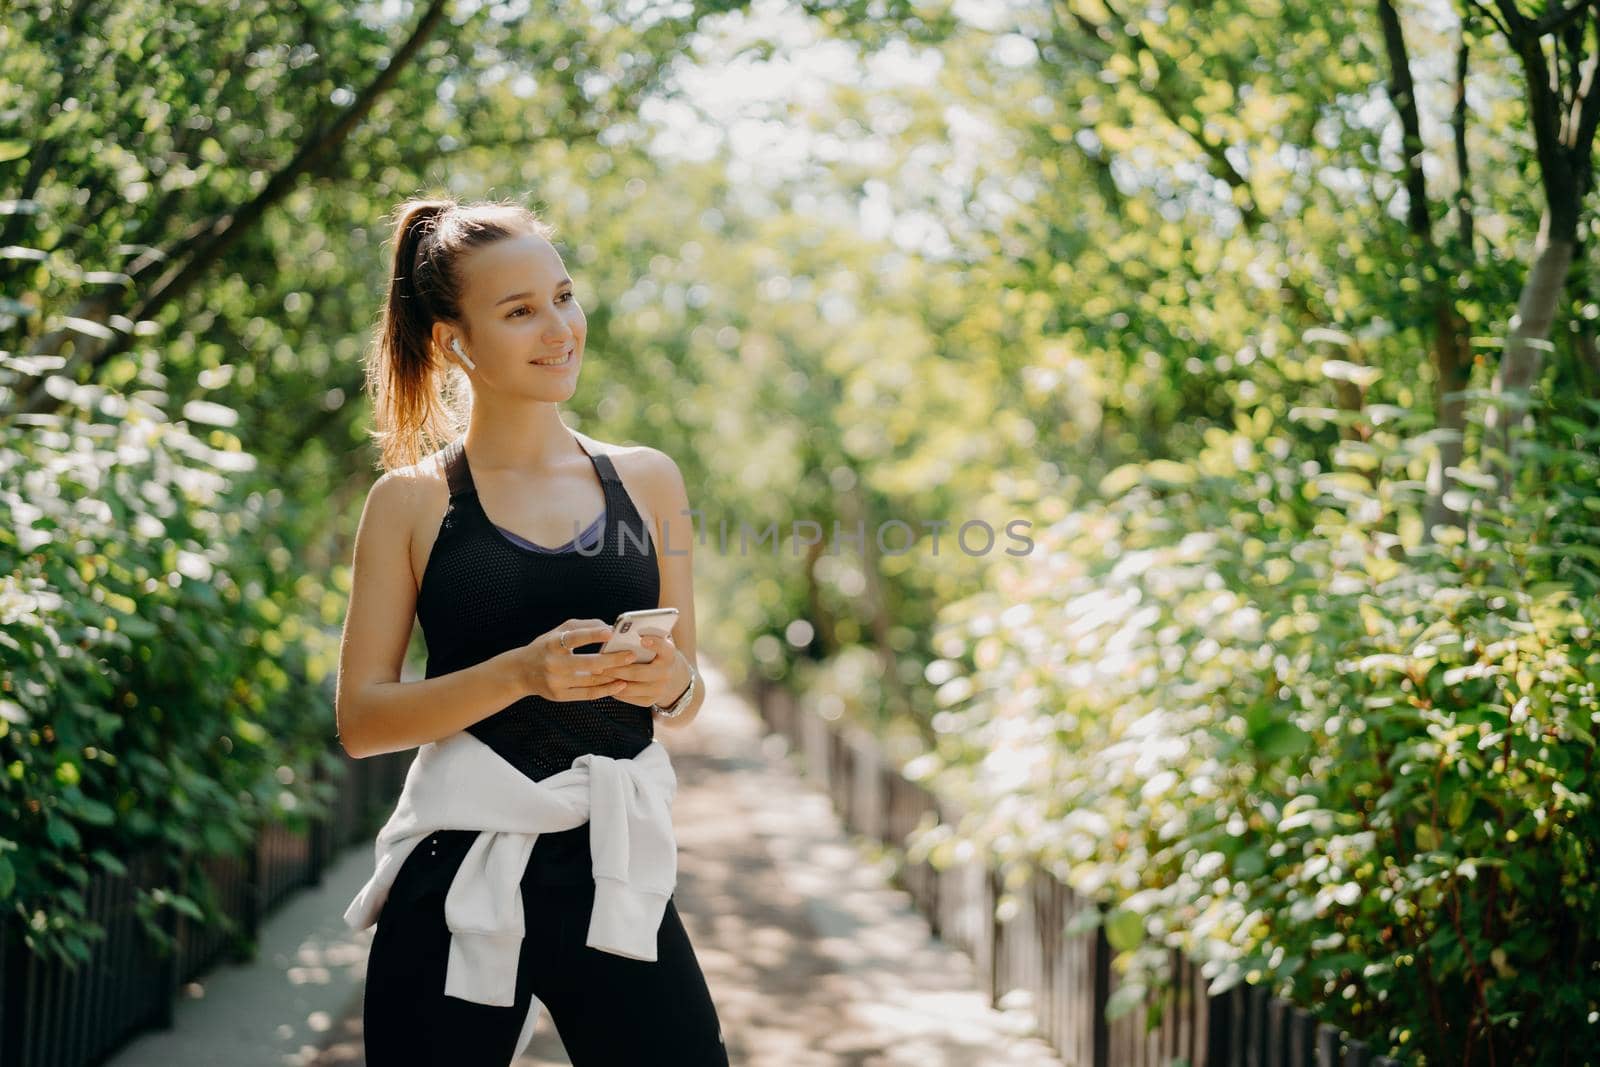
x=1588, y=116
x=1464, y=220
x=1515, y=21
x=1171, y=108
x=1555, y=20
x=1478, y=6
x=1402, y=92
x=229, y=227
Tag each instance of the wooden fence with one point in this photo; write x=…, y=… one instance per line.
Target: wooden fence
x=1067, y=979
x=54, y=1016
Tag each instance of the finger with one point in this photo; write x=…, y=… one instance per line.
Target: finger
x=642, y=672
x=583, y=676
x=578, y=636
x=586, y=689
x=595, y=665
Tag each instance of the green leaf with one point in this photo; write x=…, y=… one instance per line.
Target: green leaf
x=1125, y=999
x=1124, y=929
x=1086, y=919
x=109, y=862
x=89, y=810
x=1249, y=863
x=1279, y=740
x=187, y=906
x=61, y=832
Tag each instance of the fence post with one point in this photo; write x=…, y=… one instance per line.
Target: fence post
x=814, y=729
x=1327, y=1045
x=1256, y=1027
x=168, y=966
x=1278, y=1011
x=318, y=831
x=250, y=913
x=790, y=710
x=996, y=933
x=1101, y=1029
x=839, y=773
x=868, y=771
x=1302, y=1038
x=14, y=994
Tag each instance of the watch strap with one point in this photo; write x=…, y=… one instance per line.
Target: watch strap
x=676, y=707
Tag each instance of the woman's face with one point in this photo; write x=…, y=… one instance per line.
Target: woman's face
x=521, y=308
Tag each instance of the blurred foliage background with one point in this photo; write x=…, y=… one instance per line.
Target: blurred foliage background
x=1273, y=323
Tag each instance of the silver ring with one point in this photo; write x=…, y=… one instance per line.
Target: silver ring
x=563, y=639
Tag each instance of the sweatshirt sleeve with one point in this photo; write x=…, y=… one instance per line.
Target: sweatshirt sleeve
x=635, y=855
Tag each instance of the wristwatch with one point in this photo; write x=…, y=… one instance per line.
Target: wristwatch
x=673, y=710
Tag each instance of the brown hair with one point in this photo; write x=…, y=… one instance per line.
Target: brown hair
x=417, y=405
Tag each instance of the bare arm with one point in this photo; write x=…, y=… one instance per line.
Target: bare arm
x=675, y=534
x=375, y=711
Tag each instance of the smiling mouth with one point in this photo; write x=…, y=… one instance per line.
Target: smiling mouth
x=560, y=361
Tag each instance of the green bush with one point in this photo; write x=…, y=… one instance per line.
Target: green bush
x=1242, y=702
x=160, y=658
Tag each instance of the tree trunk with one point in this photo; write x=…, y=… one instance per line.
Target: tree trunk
x=1564, y=111
x=1452, y=339
x=1452, y=349
x=1523, y=356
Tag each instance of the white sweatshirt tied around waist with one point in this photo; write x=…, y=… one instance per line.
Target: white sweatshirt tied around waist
x=460, y=783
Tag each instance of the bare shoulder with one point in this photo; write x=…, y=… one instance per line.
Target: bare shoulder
x=413, y=499
x=405, y=489
x=649, y=470
x=651, y=477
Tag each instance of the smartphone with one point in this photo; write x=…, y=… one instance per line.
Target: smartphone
x=632, y=625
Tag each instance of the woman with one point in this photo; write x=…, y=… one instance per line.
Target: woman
x=459, y=539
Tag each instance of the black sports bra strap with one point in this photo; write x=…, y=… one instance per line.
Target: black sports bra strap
x=455, y=467
x=602, y=466
x=608, y=473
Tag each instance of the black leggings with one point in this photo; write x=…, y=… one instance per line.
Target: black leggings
x=608, y=1009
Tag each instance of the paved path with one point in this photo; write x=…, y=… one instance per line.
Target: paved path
x=813, y=959
x=279, y=1009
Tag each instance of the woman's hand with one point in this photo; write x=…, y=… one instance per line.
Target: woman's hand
x=659, y=682
x=553, y=671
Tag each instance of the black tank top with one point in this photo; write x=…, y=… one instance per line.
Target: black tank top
x=484, y=593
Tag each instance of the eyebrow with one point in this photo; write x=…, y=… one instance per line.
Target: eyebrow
x=523, y=296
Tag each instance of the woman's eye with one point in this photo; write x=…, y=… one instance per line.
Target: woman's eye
x=564, y=296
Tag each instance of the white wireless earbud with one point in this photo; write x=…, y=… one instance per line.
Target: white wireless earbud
x=455, y=343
